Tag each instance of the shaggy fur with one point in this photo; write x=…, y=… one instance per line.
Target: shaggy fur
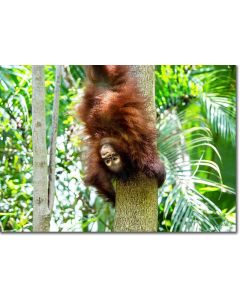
x=114, y=112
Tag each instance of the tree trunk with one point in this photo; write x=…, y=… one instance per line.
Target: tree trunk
x=136, y=200
x=41, y=212
x=52, y=155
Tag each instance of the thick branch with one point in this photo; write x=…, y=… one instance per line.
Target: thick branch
x=136, y=200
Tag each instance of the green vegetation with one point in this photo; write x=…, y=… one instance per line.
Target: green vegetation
x=196, y=109
x=197, y=125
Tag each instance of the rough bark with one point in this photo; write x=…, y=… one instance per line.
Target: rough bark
x=41, y=212
x=52, y=158
x=136, y=200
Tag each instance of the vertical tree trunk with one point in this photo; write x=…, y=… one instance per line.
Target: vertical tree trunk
x=41, y=212
x=52, y=158
x=136, y=200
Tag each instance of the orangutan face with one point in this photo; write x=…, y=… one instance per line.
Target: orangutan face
x=111, y=158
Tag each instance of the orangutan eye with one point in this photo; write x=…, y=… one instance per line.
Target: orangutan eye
x=116, y=158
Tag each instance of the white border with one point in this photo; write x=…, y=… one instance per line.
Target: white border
x=109, y=266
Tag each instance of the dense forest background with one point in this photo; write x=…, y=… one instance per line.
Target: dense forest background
x=196, y=121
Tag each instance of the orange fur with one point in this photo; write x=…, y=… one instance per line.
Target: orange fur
x=112, y=107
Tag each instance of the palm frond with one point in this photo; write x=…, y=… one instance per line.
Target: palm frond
x=190, y=210
x=218, y=98
x=221, y=113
